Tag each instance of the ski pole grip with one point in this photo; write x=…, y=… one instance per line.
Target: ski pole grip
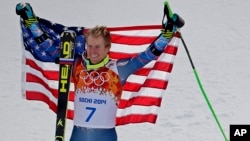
x=168, y=10
x=177, y=20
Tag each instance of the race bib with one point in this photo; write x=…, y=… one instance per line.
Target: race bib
x=95, y=110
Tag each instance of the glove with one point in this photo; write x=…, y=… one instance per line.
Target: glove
x=167, y=33
x=26, y=13
x=31, y=21
x=171, y=26
x=173, y=22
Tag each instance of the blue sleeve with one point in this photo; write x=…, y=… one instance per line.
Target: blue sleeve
x=128, y=66
x=45, y=46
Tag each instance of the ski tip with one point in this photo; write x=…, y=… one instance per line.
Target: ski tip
x=68, y=33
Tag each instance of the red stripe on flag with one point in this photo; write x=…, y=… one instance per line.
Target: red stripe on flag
x=163, y=66
x=140, y=100
x=143, y=71
x=171, y=50
x=154, y=83
x=120, y=55
x=130, y=28
x=33, y=78
x=51, y=75
x=151, y=83
x=132, y=40
x=136, y=118
x=38, y=96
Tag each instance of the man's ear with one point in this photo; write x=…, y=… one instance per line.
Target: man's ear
x=108, y=49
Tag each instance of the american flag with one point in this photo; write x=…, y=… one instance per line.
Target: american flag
x=143, y=90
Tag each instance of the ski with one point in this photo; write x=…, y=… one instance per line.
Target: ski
x=66, y=61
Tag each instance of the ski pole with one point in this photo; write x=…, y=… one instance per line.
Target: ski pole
x=179, y=22
x=202, y=89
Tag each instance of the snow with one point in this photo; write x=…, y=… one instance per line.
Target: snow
x=217, y=36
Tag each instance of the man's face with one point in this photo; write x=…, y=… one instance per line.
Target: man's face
x=96, y=49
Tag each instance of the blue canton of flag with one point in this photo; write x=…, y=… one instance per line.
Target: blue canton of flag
x=49, y=50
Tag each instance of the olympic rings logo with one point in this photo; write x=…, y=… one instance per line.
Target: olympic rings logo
x=94, y=77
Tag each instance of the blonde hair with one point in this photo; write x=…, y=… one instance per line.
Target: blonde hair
x=100, y=31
